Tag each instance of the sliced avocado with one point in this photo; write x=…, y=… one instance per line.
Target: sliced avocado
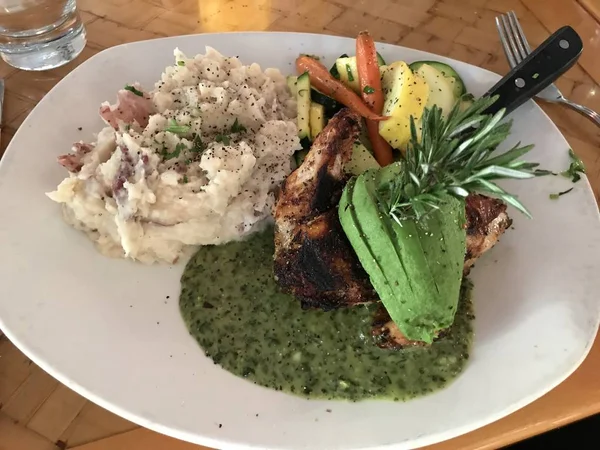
x=351, y=206
x=441, y=236
x=392, y=254
x=416, y=268
x=387, y=174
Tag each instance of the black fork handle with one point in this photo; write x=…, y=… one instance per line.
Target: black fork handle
x=542, y=67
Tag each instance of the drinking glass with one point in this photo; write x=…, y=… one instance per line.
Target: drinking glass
x=40, y=34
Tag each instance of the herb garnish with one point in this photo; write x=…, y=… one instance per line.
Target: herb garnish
x=173, y=127
x=556, y=196
x=453, y=157
x=543, y=172
x=223, y=138
x=181, y=63
x=349, y=72
x=184, y=180
x=197, y=145
x=575, y=168
x=132, y=89
x=175, y=153
x=368, y=90
x=237, y=127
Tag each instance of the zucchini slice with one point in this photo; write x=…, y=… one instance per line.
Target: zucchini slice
x=316, y=119
x=303, y=105
x=348, y=71
x=361, y=160
x=465, y=101
x=447, y=71
x=334, y=70
x=292, y=85
x=299, y=156
x=441, y=90
x=330, y=105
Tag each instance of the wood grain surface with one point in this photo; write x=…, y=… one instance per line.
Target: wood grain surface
x=38, y=413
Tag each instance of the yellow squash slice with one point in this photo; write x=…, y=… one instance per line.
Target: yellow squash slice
x=406, y=95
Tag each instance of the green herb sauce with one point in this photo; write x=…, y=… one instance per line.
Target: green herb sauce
x=233, y=308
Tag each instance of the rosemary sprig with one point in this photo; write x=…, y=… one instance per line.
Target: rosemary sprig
x=455, y=155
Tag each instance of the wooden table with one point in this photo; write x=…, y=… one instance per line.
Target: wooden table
x=37, y=413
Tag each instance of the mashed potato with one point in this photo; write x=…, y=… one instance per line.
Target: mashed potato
x=196, y=161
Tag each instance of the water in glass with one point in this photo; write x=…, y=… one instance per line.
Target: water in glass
x=40, y=34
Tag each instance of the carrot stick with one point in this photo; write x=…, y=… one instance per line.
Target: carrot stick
x=369, y=78
x=381, y=149
x=324, y=82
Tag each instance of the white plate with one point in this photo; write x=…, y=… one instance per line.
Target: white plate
x=111, y=329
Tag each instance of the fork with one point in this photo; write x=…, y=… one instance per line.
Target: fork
x=517, y=48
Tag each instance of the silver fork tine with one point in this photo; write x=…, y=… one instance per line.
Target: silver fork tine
x=505, y=44
x=511, y=39
x=515, y=22
x=512, y=20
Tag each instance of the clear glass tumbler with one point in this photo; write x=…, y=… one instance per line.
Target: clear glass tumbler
x=40, y=34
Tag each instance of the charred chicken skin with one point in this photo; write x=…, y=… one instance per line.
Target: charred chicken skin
x=313, y=259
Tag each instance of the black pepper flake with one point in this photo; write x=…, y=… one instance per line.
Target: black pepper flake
x=80, y=128
x=220, y=425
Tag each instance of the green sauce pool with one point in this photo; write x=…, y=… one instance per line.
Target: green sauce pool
x=232, y=306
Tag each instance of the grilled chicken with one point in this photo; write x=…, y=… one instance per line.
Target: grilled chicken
x=486, y=222
x=388, y=335
x=313, y=259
